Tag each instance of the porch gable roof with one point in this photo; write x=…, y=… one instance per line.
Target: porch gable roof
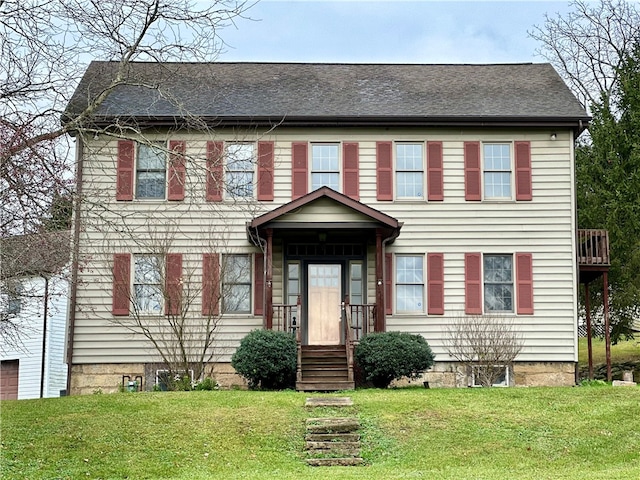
x=382, y=219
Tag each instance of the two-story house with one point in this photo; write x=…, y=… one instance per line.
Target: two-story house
x=407, y=196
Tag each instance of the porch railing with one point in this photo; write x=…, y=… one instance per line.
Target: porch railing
x=362, y=319
x=593, y=247
x=348, y=340
x=286, y=318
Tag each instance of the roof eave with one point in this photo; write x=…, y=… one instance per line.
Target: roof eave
x=578, y=124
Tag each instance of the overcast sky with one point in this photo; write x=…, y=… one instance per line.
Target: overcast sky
x=420, y=31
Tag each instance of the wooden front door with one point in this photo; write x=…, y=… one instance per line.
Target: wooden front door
x=324, y=297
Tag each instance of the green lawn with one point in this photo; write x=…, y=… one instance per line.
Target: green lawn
x=500, y=433
x=623, y=351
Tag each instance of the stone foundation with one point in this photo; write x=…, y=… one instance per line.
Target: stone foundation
x=523, y=374
x=108, y=377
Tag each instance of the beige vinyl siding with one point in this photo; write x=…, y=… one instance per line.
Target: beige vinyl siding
x=544, y=227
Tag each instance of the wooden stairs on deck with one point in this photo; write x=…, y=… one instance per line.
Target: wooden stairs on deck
x=324, y=368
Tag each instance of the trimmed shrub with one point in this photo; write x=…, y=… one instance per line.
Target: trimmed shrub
x=385, y=356
x=267, y=359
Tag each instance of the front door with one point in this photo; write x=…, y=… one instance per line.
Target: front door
x=324, y=297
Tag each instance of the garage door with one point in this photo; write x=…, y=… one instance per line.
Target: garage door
x=9, y=380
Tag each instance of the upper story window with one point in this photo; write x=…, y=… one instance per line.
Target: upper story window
x=151, y=171
x=409, y=170
x=147, y=285
x=240, y=168
x=325, y=166
x=498, y=283
x=497, y=170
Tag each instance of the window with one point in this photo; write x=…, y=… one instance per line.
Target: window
x=240, y=166
x=498, y=283
x=13, y=293
x=236, y=284
x=356, y=287
x=480, y=374
x=409, y=283
x=147, y=286
x=409, y=170
x=325, y=166
x=497, y=170
x=293, y=283
x=165, y=382
x=151, y=171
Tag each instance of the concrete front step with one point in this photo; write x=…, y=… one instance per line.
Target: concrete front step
x=341, y=448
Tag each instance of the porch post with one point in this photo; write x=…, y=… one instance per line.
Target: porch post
x=380, y=302
x=268, y=301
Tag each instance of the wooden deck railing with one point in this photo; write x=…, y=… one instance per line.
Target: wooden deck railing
x=593, y=247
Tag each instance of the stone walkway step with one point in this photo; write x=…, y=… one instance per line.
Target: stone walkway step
x=332, y=441
x=335, y=462
x=329, y=402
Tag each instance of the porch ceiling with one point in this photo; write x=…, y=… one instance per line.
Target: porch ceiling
x=355, y=215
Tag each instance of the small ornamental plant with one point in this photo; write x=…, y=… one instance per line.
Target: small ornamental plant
x=387, y=356
x=267, y=359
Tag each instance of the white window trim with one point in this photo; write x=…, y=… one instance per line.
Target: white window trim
x=163, y=146
x=134, y=298
x=507, y=377
x=423, y=144
x=511, y=197
x=164, y=370
x=235, y=198
x=251, y=283
x=513, y=285
x=340, y=170
x=394, y=285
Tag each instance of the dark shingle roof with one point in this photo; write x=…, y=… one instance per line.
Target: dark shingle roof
x=337, y=92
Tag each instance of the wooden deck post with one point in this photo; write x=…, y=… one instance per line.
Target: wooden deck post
x=587, y=308
x=607, y=333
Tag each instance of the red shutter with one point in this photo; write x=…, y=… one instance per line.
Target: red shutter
x=472, y=171
x=351, y=179
x=124, y=179
x=265, y=171
x=299, y=172
x=388, y=283
x=177, y=173
x=215, y=157
x=473, y=283
x=523, y=171
x=435, y=283
x=435, y=181
x=524, y=283
x=384, y=170
x=173, y=284
x=258, y=282
x=210, y=284
x=121, y=283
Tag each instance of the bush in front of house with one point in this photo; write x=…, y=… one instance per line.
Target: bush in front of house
x=386, y=356
x=267, y=359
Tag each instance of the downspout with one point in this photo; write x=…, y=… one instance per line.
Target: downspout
x=75, y=262
x=45, y=318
